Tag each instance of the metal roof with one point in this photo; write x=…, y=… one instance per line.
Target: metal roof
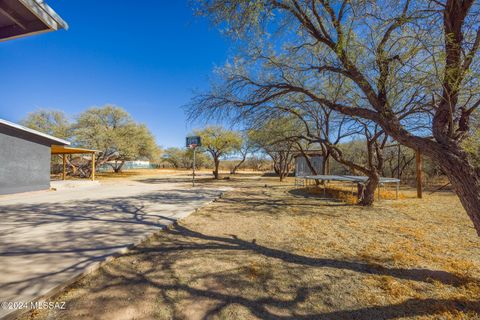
x=309, y=153
x=71, y=150
x=19, y=18
x=35, y=132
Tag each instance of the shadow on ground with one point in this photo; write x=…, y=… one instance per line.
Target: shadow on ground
x=210, y=266
x=44, y=244
x=213, y=294
x=303, y=193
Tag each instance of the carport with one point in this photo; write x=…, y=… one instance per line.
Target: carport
x=65, y=150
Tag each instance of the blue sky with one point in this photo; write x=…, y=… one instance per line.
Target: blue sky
x=147, y=57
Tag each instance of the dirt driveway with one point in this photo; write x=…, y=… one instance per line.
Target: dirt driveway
x=270, y=250
x=47, y=238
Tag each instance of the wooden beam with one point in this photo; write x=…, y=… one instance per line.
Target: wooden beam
x=27, y=17
x=64, y=173
x=418, y=156
x=13, y=16
x=93, y=166
x=15, y=31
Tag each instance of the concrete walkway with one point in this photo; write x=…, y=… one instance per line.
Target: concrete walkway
x=47, y=238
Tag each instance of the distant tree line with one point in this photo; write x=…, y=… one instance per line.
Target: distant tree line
x=218, y=144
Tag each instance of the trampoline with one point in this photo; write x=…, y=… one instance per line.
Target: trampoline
x=306, y=180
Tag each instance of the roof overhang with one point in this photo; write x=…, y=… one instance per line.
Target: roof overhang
x=56, y=149
x=19, y=18
x=33, y=132
x=309, y=153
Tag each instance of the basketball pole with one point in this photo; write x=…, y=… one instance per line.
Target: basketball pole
x=192, y=143
x=193, y=169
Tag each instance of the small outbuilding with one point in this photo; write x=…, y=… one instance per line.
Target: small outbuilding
x=302, y=168
x=25, y=156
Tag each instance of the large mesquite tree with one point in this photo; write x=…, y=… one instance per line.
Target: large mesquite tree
x=109, y=129
x=412, y=66
x=112, y=131
x=52, y=122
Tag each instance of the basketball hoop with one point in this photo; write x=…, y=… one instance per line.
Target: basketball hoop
x=192, y=143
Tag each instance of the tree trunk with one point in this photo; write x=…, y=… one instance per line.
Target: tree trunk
x=465, y=179
x=275, y=169
x=118, y=168
x=281, y=171
x=215, y=171
x=366, y=193
x=309, y=164
x=69, y=163
x=326, y=163
x=286, y=170
x=286, y=164
x=237, y=166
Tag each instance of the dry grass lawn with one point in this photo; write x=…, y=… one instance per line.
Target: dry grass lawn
x=136, y=173
x=278, y=252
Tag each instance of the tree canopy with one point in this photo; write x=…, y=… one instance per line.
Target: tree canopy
x=183, y=158
x=219, y=142
x=278, y=139
x=410, y=67
x=109, y=129
x=52, y=122
x=112, y=130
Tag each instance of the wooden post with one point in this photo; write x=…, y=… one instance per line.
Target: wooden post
x=93, y=166
x=418, y=156
x=398, y=162
x=64, y=172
